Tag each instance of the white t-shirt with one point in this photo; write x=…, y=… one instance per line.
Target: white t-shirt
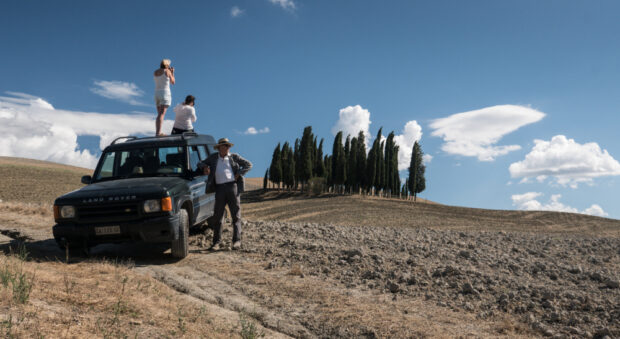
x=184, y=115
x=223, y=171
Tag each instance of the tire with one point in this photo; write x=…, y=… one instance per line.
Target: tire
x=180, y=247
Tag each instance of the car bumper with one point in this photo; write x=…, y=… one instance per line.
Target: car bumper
x=153, y=230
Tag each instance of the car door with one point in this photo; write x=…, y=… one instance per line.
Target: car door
x=203, y=203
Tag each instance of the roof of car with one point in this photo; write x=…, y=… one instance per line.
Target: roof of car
x=169, y=140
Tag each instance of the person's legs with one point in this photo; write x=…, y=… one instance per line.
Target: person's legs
x=234, y=205
x=218, y=213
x=161, y=111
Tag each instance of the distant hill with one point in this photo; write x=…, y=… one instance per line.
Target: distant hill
x=27, y=180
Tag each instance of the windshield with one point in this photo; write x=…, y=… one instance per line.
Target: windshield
x=142, y=162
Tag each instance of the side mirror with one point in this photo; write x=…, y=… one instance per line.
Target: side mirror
x=86, y=179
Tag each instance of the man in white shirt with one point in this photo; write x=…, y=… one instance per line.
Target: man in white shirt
x=226, y=171
x=184, y=116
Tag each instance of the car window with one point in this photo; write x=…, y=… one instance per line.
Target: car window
x=172, y=160
x=202, y=150
x=107, y=167
x=194, y=158
x=140, y=162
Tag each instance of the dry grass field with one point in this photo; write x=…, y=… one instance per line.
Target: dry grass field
x=359, y=210
x=312, y=266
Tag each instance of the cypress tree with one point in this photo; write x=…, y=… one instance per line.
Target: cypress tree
x=360, y=162
x=314, y=155
x=380, y=182
x=328, y=170
x=319, y=165
x=286, y=165
x=389, y=160
x=352, y=182
x=275, y=170
x=297, y=157
x=291, y=169
x=347, y=151
x=417, y=182
x=371, y=163
x=338, y=161
x=395, y=174
x=266, y=179
x=306, y=150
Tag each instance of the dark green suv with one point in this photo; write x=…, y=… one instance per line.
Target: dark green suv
x=143, y=190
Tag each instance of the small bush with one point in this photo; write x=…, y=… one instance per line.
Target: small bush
x=249, y=330
x=13, y=277
x=316, y=185
x=22, y=286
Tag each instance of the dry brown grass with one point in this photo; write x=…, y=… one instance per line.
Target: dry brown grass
x=34, y=181
x=102, y=299
x=355, y=210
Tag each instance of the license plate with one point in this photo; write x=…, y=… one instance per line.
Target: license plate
x=105, y=230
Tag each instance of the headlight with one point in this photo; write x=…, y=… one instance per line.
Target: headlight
x=152, y=206
x=67, y=212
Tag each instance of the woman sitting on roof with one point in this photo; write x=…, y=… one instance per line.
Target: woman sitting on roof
x=184, y=116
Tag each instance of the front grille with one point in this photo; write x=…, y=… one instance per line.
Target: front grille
x=105, y=212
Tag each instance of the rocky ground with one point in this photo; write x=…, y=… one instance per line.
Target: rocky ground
x=565, y=286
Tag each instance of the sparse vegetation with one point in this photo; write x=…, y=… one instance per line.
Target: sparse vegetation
x=248, y=329
x=13, y=277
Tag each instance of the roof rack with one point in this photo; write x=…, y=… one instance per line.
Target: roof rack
x=189, y=134
x=130, y=137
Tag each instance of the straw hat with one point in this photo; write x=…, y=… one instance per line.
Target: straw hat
x=223, y=141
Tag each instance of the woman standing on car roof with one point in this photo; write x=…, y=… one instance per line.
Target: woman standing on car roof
x=164, y=76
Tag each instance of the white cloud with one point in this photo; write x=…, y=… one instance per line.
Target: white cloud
x=595, y=210
x=119, y=90
x=566, y=161
x=528, y=202
x=352, y=120
x=427, y=158
x=286, y=4
x=475, y=133
x=33, y=128
x=412, y=132
x=252, y=131
x=235, y=11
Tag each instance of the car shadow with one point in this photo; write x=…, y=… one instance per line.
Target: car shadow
x=139, y=254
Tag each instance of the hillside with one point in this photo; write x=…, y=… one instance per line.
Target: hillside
x=326, y=266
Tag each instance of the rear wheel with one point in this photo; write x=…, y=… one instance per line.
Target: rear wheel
x=180, y=246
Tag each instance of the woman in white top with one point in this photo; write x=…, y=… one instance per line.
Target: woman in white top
x=184, y=115
x=164, y=76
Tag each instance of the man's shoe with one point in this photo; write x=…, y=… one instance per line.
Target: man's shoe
x=215, y=247
x=236, y=245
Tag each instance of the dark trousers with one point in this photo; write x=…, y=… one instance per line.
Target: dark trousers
x=226, y=194
x=180, y=131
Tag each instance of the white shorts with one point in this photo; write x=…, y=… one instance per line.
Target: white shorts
x=163, y=98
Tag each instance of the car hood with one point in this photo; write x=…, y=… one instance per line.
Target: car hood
x=124, y=190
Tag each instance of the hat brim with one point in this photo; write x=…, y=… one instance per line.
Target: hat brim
x=218, y=145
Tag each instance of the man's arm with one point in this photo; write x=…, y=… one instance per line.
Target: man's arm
x=205, y=165
x=244, y=165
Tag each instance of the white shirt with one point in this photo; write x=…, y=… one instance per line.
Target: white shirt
x=223, y=171
x=162, y=82
x=184, y=115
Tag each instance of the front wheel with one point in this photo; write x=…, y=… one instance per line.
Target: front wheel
x=180, y=246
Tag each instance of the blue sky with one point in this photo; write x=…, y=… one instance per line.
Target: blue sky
x=515, y=102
